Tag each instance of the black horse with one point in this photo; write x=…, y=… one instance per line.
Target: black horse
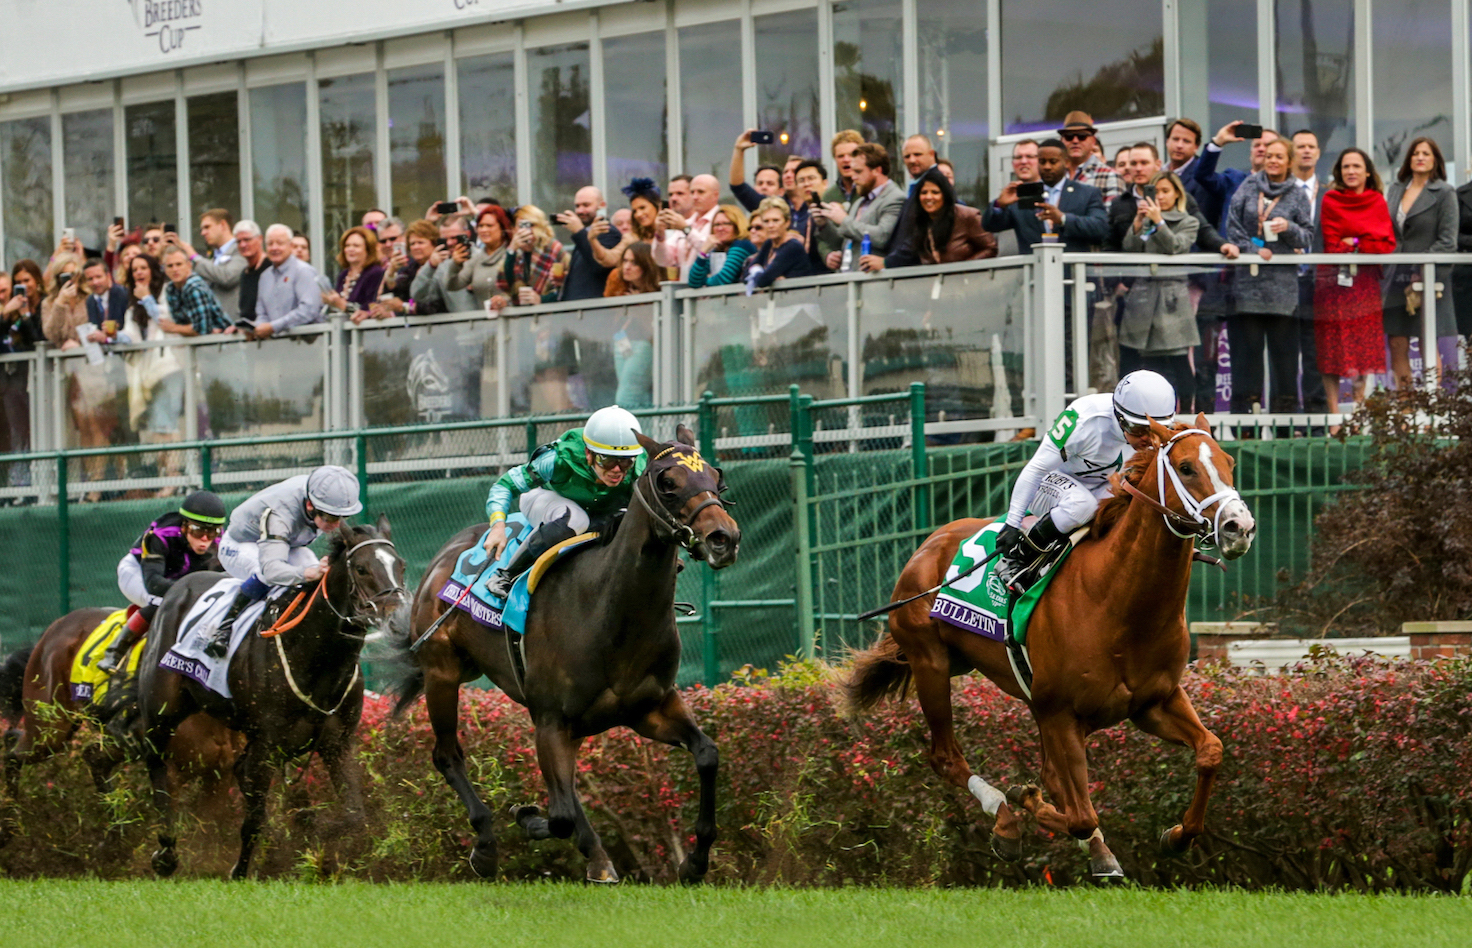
x=298, y=692
x=601, y=650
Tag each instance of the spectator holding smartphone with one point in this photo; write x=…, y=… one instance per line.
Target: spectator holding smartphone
x=587, y=222
x=643, y=214
x=535, y=265
x=1158, y=326
x=361, y=275
x=20, y=330
x=430, y=289
x=155, y=375
x=723, y=259
x=479, y=272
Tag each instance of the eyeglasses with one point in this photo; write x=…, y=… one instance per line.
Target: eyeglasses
x=153, y=240
x=1075, y=136
x=612, y=462
x=202, y=531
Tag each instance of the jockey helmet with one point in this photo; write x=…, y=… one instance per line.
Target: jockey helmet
x=203, y=506
x=611, y=431
x=1142, y=396
x=333, y=490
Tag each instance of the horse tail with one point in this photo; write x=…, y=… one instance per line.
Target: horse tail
x=13, y=681
x=392, y=658
x=878, y=673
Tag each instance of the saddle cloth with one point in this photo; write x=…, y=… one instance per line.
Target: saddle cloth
x=470, y=570
x=88, y=685
x=187, y=655
x=980, y=603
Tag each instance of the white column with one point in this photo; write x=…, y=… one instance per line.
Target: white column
x=1364, y=69
x=58, y=171
x=597, y=105
x=523, y=121
x=1048, y=352
x=247, y=209
x=120, y=155
x=909, y=117
x=382, y=169
x=675, y=124
x=452, y=117
x=995, y=122
x=827, y=95
x=1171, y=40
x=181, y=158
x=316, y=214
x=1267, y=52
x=748, y=74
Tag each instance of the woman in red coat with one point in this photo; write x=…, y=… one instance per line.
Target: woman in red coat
x=1347, y=325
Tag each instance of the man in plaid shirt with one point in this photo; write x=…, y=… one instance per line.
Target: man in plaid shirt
x=1084, y=164
x=190, y=301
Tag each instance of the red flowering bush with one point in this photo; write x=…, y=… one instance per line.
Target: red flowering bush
x=1349, y=773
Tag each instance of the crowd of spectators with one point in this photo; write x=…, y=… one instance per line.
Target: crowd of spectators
x=1316, y=325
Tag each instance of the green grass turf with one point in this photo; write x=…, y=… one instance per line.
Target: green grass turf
x=61, y=914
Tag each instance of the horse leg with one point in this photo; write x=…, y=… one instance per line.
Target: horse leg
x=442, y=699
x=932, y=680
x=672, y=723
x=1175, y=720
x=159, y=731
x=253, y=777
x=1066, y=774
x=337, y=750
x=557, y=754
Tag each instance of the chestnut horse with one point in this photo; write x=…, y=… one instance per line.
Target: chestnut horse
x=601, y=651
x=1108, y=641
x=49, y=718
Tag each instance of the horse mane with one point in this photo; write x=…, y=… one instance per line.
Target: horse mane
x=1111, y=510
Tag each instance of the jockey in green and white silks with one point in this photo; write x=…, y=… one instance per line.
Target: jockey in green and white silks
x=1069, y=475
x=588, y=472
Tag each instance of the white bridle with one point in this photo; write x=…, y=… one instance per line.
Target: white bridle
x=1193, y=506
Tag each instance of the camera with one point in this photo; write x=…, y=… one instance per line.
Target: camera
x=446, y=207
x=763, y=138
x=1249, y=131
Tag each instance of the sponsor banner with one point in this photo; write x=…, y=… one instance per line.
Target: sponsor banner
x=486, y=615
x=188, y=667
x=81, y=692
x=963, y=615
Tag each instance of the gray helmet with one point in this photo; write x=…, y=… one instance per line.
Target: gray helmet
x=334, y=490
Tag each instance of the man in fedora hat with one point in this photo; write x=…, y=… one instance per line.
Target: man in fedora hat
x=1084, y=162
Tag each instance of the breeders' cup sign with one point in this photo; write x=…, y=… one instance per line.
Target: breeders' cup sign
x=168, y=21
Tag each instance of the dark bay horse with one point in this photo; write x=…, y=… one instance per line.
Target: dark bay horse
x=201, y=749
x=298, y=692
x=601, y=651
x=1108, y=641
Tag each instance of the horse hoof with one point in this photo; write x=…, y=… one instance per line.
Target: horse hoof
x=483, y=862
x=1006, y=848
x=1173, y=842
x=690, y=874
x=1105, y=870
x=165, y=861
x=603, y=876
x=1021, y=796
x=529, y=818
x=239, y=871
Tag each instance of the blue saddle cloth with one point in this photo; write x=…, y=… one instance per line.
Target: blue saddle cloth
x=492, y=611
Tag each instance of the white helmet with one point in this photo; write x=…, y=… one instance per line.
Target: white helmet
x=612, y=431
x=1143, y=395
x=333, y=490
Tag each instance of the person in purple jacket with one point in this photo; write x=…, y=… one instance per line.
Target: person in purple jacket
x=361, y=276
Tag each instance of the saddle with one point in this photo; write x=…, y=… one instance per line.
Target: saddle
x=91, y=686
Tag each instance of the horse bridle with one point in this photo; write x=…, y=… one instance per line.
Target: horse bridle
x=1194, y=524
x=356, y=597
x=682, y=533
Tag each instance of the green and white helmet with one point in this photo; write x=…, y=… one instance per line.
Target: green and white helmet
x=612, y=431
x=333, y=490
x=1142, y=396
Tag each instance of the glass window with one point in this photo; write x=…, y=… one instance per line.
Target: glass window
x=25, y=174
x=787, y=86
x=1231, y=76
x=1114, y=67
x=349, y=130
x=214, y=154
x=87, y=154
x=153, y=171
x=562, y=148
x=1413, y=78
x=710, y=96
x=953, y=96
x=1316, y=33
x=634, y=109
x=867, y=58
x=416, y=139
x=487, y=90
x=278, y=144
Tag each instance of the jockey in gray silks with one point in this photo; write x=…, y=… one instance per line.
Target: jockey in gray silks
x=266, y=543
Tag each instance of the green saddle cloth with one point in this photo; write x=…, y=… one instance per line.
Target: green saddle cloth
x=980, y=603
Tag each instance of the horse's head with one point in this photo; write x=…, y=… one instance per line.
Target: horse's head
x=373, y=567
x=683, y=492
x=1191, y=461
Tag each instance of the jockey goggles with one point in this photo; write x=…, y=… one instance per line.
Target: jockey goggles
x=204, y=531
x=613, y=462
x=1130, y=428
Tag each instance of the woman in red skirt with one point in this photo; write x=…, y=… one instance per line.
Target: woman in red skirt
x=1347, y=326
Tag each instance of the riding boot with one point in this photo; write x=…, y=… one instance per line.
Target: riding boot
x=219, y=643
x=136, y=628
x=1029, y=549
x=542, y=539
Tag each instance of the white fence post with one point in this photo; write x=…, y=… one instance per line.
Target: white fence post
x=1048, y=350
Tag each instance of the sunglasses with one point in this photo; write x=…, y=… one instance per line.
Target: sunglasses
x=153, y=240
x=1075, y=136
x=202, y=531
x=613, y=462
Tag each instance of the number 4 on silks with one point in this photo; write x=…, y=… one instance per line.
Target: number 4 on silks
x=1063, y=427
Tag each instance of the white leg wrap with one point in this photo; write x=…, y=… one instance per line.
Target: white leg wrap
x=1097, y=834
x=991, y=798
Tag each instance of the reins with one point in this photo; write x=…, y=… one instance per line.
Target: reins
x=681, y=533
x=1194, y=524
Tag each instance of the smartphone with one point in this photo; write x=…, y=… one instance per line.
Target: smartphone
x=813, y=199
x=170, y=229
x=1249, y=131
x=601, y=214
x=441, y=242
x=1030, y=194
x=1148, y=190
x=523, y=225
x=399, y=247
x=62, y=279
x=117, y=222
x=69, y=233
x=446, y=207
x=763, y=138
